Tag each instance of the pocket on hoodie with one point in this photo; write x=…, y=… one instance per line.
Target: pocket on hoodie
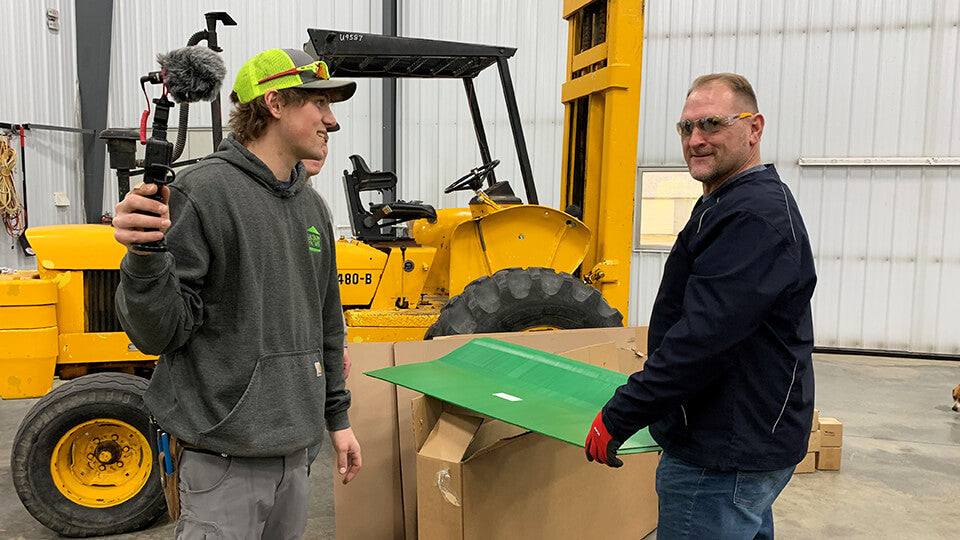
x=281, y=409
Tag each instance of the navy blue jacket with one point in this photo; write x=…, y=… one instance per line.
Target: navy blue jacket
x=729, y=382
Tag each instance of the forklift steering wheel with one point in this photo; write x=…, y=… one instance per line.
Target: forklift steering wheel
x=473, y=179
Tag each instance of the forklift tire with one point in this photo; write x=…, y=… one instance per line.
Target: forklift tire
x=520, y=300
x=83, y=460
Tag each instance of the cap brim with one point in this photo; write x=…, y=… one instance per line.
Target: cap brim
x=339, y=90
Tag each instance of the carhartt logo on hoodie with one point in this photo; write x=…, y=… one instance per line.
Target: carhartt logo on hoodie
x=313, y=239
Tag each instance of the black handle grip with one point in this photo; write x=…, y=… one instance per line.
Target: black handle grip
x=168, y=177
x=156, y=164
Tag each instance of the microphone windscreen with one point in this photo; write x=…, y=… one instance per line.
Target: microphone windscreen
x=192, y=73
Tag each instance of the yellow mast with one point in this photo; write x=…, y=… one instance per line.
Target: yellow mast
x=601, y=98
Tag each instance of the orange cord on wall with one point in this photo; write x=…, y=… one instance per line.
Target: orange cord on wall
x=11, y=209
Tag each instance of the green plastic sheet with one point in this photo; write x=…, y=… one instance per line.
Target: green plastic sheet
x=535, y=390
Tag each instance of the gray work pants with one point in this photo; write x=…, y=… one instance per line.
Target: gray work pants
x=242, y=498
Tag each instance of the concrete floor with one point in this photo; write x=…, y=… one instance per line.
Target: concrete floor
x=899, y=477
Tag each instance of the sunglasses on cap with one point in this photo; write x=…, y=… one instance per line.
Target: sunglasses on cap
x=709, y=124
x=319, y=69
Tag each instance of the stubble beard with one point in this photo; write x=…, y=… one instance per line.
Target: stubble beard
x=705, y=177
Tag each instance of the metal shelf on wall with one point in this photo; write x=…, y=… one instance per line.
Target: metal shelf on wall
x=923, y=161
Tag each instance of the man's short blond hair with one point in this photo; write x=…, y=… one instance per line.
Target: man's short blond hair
x=737, y=83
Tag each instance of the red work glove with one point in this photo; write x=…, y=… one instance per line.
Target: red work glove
x=600, y=445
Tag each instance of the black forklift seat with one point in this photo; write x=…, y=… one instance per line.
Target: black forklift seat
x=368, y=225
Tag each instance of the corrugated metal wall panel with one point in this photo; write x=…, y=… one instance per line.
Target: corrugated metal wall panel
x=142, y=29
x=838, y=79
x=436, y=139
x=647, y=268
x=38, y=82
x=833, y=79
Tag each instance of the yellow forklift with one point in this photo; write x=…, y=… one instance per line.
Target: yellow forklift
x=83, y=460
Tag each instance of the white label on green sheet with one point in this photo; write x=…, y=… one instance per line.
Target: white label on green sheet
x=507, y=397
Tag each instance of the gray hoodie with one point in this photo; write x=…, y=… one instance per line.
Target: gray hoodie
x=244, y=311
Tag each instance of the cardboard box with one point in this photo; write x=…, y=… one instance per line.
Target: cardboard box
x=480, y=478
x=631, y=345
x=813, y=445
x=815, y=425
x=829, y=458
x=808, y=465
x=381, y=502
x=831, y=432
x=369, y=506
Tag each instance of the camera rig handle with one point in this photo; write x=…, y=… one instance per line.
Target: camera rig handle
x=157, y=158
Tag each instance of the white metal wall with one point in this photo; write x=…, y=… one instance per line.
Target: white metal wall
x=436, y=139
x=835, y=79
x=142, y=29
x=38, y=84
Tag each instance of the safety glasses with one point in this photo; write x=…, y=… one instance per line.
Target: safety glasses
x=319, y=68
x=708, y=124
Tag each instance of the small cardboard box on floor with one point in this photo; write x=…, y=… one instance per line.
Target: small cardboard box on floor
x=832, y=432
x=511, y=485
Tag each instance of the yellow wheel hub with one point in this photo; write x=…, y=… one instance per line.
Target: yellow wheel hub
x=101, y=462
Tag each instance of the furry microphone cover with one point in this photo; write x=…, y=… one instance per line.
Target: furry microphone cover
x=192, y=73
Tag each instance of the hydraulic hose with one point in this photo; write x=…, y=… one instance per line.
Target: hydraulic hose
x=185, y=107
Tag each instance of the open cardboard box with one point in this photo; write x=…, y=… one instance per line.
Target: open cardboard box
x=480, y=478
x=381, y=502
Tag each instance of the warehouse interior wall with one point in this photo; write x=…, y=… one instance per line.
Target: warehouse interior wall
x=850, y=80
x=834, y=80
x=38, y=85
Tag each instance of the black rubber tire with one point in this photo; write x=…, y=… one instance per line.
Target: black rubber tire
x=518, y=299
x=101, y=395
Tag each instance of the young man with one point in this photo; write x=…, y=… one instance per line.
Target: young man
x=728, y=388
x=244, y=308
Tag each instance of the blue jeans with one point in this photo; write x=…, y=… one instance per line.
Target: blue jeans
x=703, y=503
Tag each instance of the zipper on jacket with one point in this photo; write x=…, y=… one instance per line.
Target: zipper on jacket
x=793, y=378
x=700, y=223
x=684, y=411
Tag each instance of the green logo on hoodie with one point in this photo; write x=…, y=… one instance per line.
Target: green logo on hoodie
x=313, y=239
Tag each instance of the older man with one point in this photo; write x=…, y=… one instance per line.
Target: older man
x=728, y=388
x=244, y=309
